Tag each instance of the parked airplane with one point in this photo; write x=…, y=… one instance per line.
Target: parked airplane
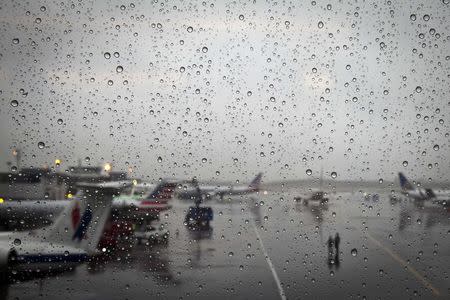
x=317, y=196
x=144, y=200
x=415, y=192
x=17, y=214
x=70, y=241
x=209, y=191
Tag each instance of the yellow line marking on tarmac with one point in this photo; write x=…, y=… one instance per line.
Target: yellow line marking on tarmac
x=402, y=262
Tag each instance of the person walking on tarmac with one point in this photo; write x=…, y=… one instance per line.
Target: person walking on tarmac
x=198, y=196
x=330, y=244
x=330, y=252
x=337, y=240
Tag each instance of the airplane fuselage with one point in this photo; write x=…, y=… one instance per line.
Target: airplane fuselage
x=31, y=254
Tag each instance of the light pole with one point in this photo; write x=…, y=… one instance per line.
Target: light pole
x=16, y=154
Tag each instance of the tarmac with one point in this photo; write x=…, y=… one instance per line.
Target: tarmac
x=268, y=246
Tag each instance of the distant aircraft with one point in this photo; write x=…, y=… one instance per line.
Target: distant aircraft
x=144, y=200
x=441, y=197
x=139, y=203
x=317, y=196
x=70, y=241
x=221, y=190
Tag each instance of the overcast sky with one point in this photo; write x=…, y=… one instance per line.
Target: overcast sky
x=185, y=88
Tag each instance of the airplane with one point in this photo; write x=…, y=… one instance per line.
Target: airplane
x=316, y=196
x=68, y=242
x=210, y=191
x=441, y=197
x=144, y=200
x=126, y=206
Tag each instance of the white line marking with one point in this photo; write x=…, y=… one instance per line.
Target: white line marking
x=269, y=262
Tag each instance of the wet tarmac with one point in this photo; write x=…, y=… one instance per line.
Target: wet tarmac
x=268, y=246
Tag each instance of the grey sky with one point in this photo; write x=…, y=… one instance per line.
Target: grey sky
x=344, y=94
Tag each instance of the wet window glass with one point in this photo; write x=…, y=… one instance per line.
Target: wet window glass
x=224, y=149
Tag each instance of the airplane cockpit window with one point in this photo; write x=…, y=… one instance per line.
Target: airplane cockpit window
x=195, y=149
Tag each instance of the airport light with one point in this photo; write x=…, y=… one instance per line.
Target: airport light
x=57, y=162
x=107, y=167
x=1, y=200
x=134, y=182
x=69, y=196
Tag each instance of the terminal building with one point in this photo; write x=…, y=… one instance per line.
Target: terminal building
x=46, y=183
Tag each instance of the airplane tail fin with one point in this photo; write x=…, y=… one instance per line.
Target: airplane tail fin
x=256, y=182
x=404, y=183
x=163, y=191
x=81, y=223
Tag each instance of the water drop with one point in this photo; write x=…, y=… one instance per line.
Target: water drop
x=418, y=89
x=15, y=41
x=308, y=172
x=119, y=69
x=17, y=242
x=107, y=55
x=41, y=145
x=333, y=174
x=14, y=103
x=354, y=252
x=320, y=24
